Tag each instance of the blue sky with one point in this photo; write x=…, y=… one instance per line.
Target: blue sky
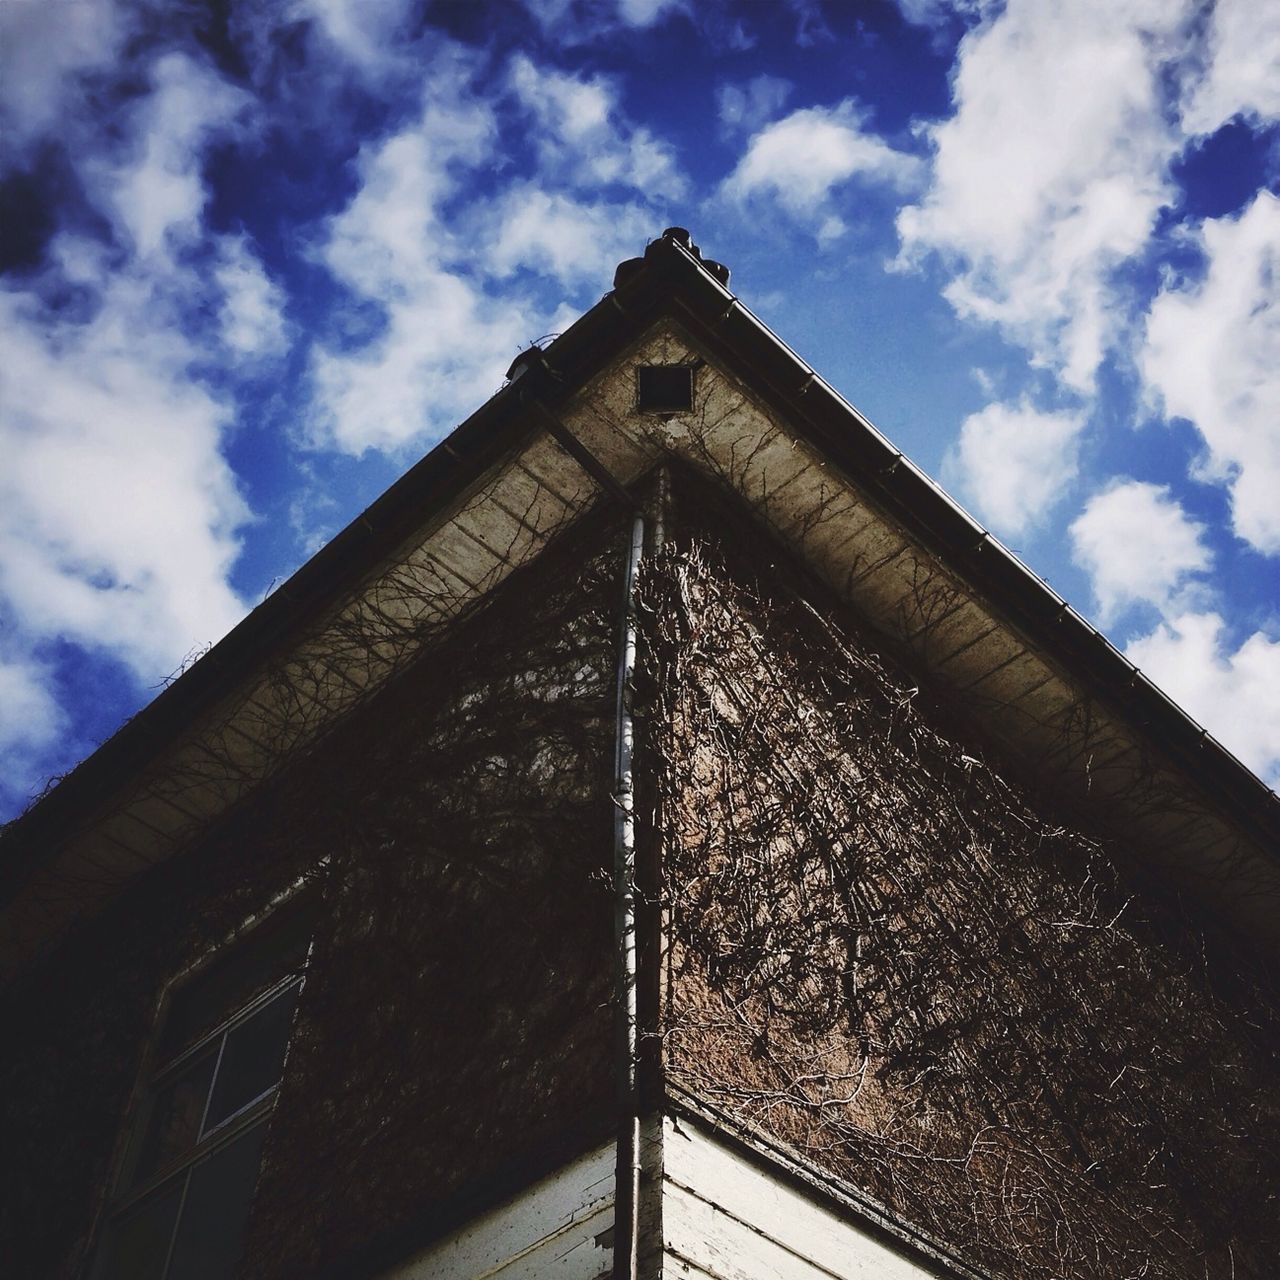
x=258, y=255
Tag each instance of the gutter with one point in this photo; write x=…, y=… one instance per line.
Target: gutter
x=669, y=279
x=843, y=435
x=426, y=489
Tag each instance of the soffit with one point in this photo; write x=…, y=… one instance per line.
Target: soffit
x=1068, y=735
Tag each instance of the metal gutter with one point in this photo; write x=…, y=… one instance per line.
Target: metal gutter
x=670, y=281
x=843, y=435
x=424, y=491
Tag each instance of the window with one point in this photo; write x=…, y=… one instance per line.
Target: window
x=664, y=388
x=195, y=1144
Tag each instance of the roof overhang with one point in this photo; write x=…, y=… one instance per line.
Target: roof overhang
x=1081, y=719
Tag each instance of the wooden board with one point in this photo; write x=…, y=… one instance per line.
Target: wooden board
x=557, y=1229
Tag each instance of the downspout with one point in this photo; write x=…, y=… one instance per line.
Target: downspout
x=531, y=365
x=627, y=1185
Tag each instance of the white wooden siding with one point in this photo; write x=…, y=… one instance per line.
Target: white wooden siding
x=726, y=1217
x=557, y=1229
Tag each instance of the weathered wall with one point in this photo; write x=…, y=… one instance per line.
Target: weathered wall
x=882, y=954
x=454, y=1028
x=457, y=1016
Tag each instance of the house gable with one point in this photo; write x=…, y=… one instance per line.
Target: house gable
x=1083, y=721
x=1052, y=732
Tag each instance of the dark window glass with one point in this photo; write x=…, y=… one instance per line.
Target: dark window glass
x=139, y=1243
x=664, y=388
x=202, y=1122
x=252, y=1058
x=231, y=981
x=211, y=1234
x=177, y=1108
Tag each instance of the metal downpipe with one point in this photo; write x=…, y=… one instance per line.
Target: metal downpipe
x=627, y=1185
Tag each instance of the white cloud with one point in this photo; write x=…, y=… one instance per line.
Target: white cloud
x=644, y=13
x=1235, y=695
x=931, y=13
x=575, y=241
x=252, y=315
x=117, y=510
x=406, y=245
x=371, y=34
x=30, y=719
x=1012, y=464
x=43, y=64
x=582, y=139
x=31, y=724
x=802, y=159
x=1051, y=172
x=1138, y=547
x=747, y=107
x=571, y=22
x=152, y=185
x=1212, y=355
x=445, y=345
x=1243, y=72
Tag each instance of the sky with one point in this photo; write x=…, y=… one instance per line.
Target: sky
x=257, y=256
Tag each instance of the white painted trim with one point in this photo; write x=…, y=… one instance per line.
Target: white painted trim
x=552, y=1230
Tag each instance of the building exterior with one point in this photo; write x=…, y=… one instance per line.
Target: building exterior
x=663, y=836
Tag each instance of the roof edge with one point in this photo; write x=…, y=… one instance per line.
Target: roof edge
x=673, y=279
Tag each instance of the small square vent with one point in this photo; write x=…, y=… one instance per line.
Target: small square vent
x=664, y=388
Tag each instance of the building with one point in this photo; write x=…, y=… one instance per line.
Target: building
x=663, y=835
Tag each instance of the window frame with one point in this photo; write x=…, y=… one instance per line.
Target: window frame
x=126, y=1191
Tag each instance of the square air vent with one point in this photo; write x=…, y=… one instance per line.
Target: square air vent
x=664, y=388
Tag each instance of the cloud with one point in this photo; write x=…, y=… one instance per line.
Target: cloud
x=1138, y=547
x=811, y=23
x=370, y=34
x=252, y=315
x=152, y=184
x=406, y=247
x=1051, y=172
x=44, y=64
x=745, y=108
x=573, y=22
x=933, y=13
x=575, y=241
x=445, y=345
x=117, y=510
x=1211, y=354
x=31, y=724
x=119, y=514
x=803, y=159
x=1012, y=464
x=30, y=719
x=1234, y=694
x=582, y=139
x=1242, y=76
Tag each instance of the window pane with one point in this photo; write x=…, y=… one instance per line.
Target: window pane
x=211, y=1233
x=173, y=1124
x=253, y=1057
x=266, y=955
x=139, y=1240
